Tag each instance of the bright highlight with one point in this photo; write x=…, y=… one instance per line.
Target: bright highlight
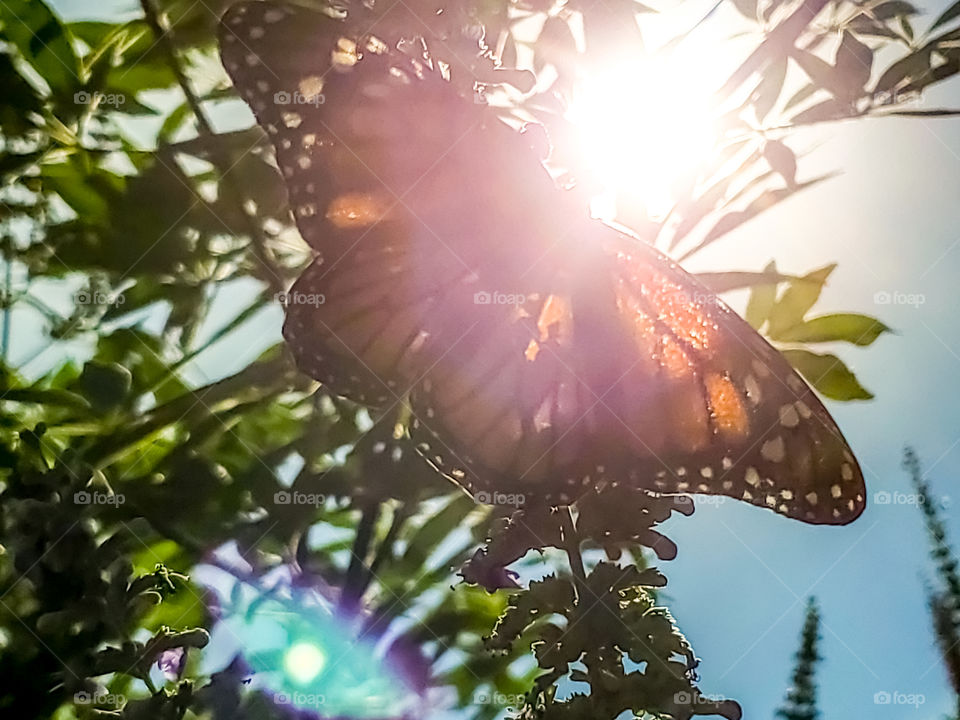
x=644, y=126
x=303, y=662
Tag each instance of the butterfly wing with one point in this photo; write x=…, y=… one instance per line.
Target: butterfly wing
x=545, y=352
x=369, y=141
x=636, y=373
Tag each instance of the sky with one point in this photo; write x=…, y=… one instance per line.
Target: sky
x=738, y=586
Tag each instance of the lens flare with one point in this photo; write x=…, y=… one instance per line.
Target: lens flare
x=644, y=126
x=300, y=651
x=303, y=662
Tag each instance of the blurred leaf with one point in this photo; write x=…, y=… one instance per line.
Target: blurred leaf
x=747, y=8
x=769, y=89
x=732, y=220
x=781, y=159
x=828, y=374
x=903, y=71
x=761, y=301
x=854, y=61
x=949, y=14
x=801, y=95
x=846, y=327
x=105, y=385
x=797, y=300
x=892, y=9
x=721, y=282
x=822, y=74
x=43, y=42
x=831, y=109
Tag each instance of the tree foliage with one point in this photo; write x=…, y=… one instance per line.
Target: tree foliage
x=137, y=195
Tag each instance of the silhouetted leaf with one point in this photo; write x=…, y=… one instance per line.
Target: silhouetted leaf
x=949, y=14
x=854, y=60
x=892, y=9
x=768, y=91
x=736, y=218
x=781, y=159
x=831, y=109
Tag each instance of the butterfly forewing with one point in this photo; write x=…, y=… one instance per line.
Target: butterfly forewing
x=543, y=353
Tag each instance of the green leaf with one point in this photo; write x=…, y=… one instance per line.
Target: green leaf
x=949, y=14
x=904, y=71
x=761, y=301
x=828, y=374
x=105, y=385
x=43, y=42
x=721, y=282
x=846, y=327
x=797, y=300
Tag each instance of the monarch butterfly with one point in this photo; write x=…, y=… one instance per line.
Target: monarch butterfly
x=542, y=352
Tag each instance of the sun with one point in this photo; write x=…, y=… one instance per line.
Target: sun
x=643, y=125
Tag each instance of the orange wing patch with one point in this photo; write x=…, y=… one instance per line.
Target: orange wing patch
x=727, y=407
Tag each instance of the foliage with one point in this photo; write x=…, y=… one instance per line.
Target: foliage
x=137, y=194
x=944, y=598
x=801, y=700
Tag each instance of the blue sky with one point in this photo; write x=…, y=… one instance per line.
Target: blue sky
x=740, y=581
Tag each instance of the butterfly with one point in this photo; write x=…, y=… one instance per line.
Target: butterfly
x=541, y=352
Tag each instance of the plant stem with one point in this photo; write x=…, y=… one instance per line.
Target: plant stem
x=355, y=584
x=571, y=542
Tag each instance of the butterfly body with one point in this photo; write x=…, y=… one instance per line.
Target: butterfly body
x=542, y=352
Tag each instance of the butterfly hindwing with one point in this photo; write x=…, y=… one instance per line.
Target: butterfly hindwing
x=678, y=395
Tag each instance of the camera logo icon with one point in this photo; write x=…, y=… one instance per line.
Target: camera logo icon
x=281, y=497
